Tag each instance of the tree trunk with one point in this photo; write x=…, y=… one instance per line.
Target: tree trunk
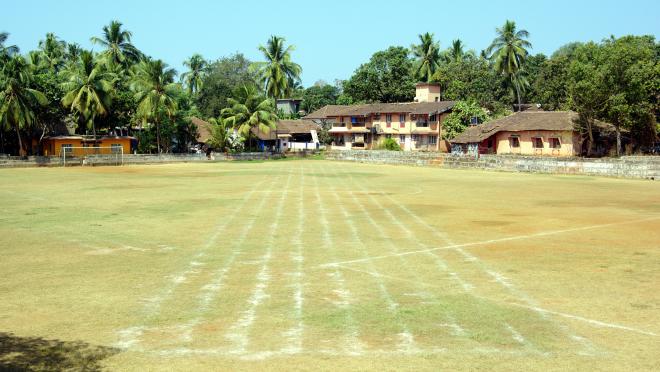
x=21, y=152
x=518, y=94
x=590, y=132
x=618, y=140
x=158, y=136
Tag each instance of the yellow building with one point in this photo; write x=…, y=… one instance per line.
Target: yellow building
x=416, y=126
x=550, y=133
x=75, y=145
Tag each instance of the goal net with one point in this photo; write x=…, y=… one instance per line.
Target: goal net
x=92, y=155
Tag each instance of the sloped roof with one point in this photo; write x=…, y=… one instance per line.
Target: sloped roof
x=286, y=127
x=203, y=129
x=521, y=121
x=331, y=111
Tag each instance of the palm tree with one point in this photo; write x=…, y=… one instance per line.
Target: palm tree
x=193, y=78
x=456, y=52
x=509, y=51
x=53, y=52
x=249, y=111
x=73, y=52
x=88, y=89
x=428, y=58
x=278, y=74
x=17, y=101
x=220, y=136
x=6, y=51
x=155, y=92
x=117, y=44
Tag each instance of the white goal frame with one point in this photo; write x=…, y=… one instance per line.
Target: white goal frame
x=110, y=155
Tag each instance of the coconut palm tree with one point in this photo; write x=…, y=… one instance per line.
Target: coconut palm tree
x=428, y=58
x=117, y=44
x=18, y=102
x=155, y=92
x=53, y=52
x=6, y=51
x=249, y=111
x=73, y=52
x=88, y=89
x=509, y=52
x=456, y=52
x=278, y=74
x=193, y=78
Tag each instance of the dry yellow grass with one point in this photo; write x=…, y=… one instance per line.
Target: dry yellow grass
x=316, y=265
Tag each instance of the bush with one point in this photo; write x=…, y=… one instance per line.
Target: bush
x=389, y=144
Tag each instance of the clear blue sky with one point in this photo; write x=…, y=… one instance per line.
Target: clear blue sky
x=332, y=38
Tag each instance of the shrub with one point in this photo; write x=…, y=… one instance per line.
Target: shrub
x=389, y=144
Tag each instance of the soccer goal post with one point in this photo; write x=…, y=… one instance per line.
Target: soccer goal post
x=92, y=155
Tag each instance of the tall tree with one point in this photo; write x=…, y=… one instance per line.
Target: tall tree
x=155, y=92
x=6, y=51
x=278, y=73
x=509, y=52
x=194, y=77
x=218, y=84
x=53, y=52
x=456, y=52
x=387, y=77
x=117, y=44
x=18, y=102
x=249, y=111
x=88, y=89
x=427, y=55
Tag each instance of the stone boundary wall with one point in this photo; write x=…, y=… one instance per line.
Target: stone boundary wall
x=48, y=161
x=647, y=167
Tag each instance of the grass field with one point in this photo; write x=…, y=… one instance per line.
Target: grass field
x=319, y=265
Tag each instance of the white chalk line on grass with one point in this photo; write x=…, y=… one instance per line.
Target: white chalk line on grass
x=482, y=266
x=238, y=333
x=593, y=322
x=406, y=338
x=210, y=291
x=488, y=242
x=294, y=336
x=131, y=335
x=352, y=344
x=439, y=262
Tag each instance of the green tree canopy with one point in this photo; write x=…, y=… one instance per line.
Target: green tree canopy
x=387, y=77
x=278, y=74
x=18, y=102
x=427, y=57
x=117, y=44
x=194, y=77
x=248, y=110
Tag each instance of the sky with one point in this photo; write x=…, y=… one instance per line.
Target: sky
x=332, y=38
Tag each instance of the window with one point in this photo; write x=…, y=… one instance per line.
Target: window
x=376, y=117
x=402, y=138
x=433, y=140
x=402, y=120
x=537, y=142
x=514, y=141
x=433, y=118
x=389, y=124
x=116, y=148
x=67, y=148
x=555, y=143
x=388, y=118
x=415, y=137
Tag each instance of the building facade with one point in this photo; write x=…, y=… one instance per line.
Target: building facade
x=543, y=133
x=415, y=126
x=83, y=145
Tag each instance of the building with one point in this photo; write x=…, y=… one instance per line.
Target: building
x=75, y=145
x=288, y=106
x=289, y=135
x=416, y=126
x=531, y=132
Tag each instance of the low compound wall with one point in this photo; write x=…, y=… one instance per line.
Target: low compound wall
x=48, y=161
x=626, y=167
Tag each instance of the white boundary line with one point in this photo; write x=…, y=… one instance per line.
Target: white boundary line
x=487, y=242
